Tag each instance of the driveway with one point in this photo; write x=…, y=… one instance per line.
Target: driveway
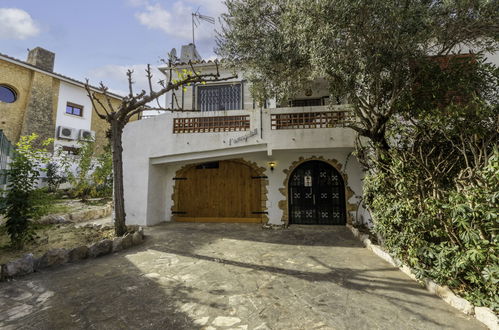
x=228, y=276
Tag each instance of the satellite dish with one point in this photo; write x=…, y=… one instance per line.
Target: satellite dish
x=172, y=55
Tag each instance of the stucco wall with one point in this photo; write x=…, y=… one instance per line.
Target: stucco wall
x=149, y=188
x=153, y=155
x=77, y=95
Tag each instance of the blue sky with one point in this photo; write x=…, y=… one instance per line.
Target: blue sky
x=100, y=39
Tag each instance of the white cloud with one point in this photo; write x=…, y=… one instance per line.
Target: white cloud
x=16, y=24
x=175, y=20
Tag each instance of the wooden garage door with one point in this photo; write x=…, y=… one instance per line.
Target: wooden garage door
x=225, y=191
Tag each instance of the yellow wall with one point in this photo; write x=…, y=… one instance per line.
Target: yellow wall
x=35, y=109
x=12, y=114
x=101, y=126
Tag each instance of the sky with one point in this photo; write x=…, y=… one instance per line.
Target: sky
x=101, y=39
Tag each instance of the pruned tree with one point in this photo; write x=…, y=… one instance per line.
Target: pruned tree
x=131, y=105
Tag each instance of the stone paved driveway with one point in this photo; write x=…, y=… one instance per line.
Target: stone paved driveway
x=221, y=276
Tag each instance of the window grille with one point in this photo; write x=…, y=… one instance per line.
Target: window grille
x=211, y=124
x=220, y=97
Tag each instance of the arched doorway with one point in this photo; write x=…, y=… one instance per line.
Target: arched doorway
x=316, y=194
x=221, y=191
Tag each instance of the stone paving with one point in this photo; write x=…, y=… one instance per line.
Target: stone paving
x=228, y=276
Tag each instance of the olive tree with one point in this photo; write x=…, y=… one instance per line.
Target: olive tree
x=366, y=50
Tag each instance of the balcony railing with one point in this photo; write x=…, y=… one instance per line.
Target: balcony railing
x=211, y=124
x=309, y=119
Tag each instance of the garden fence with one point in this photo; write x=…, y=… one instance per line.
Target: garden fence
x=6, y=153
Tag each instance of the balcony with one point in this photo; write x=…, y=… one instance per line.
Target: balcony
x=216, y=132
x=279, y=119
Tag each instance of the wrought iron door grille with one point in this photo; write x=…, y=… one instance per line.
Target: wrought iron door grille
x=310, y=119
x=211, y=124
x=316, y=195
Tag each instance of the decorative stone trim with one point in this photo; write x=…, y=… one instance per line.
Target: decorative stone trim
x=482, y=314
x=28, y=264
x=283, y=204
x=80, y=216
x=259, y=171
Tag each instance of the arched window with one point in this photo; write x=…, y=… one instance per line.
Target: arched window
x=7, y=94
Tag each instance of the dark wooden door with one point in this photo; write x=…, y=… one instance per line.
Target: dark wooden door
x=316, y=194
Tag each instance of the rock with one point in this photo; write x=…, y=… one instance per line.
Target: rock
x=132, y=228
x=78, y=216
x=136, y=238
x=118, y=244
x=78, y=253
x=22, y=266
x=127, y=241
x=53, y=219
x=449, y=297
x=100, y=248
x=141, y=232
x=53, y=257
x=487, y=317
x=225, y=321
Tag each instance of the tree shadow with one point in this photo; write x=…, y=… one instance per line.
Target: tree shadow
x=303, y=235
x=181, y=275
x=396, y=289
x=105, y=293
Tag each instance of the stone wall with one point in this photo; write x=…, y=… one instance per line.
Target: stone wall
x=35, y=109
x=39, y=117
x=12, y=114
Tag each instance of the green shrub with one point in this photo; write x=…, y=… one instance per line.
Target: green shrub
x=19, y=204
x=81, y=180
x=103, y=175
x=53, y=176
x=450, y=236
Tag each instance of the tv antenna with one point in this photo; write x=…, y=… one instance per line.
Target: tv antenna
x=196, y=20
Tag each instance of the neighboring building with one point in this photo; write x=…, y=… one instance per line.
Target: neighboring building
x=34, y=99
x=233, y=161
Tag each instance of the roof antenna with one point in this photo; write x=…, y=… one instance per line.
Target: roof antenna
x=196, y=20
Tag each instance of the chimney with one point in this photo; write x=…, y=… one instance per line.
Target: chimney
x=189, y=53
x=41, y=58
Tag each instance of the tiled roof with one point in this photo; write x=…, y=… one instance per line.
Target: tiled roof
x=57, y=75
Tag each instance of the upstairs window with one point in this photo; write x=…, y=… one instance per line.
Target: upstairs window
x=306, y=103
x=219, y=97
x=74, y=109
x=7, y=94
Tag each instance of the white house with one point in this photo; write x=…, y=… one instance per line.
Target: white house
x=230, y=160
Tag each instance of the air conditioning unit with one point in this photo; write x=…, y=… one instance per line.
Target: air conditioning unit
x=86, y=135
x=67, y=133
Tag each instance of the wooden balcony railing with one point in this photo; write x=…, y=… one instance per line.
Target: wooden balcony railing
x=309, y=119
x=211, y=124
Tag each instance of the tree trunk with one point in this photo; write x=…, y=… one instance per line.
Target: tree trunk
x=119, y=200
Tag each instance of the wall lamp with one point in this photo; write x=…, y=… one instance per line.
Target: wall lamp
x=271, y=165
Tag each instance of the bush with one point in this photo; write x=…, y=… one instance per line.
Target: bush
x=19, y=205
x=53, y=176
x=449, y=236
x=81, y=182
x=103, y=175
